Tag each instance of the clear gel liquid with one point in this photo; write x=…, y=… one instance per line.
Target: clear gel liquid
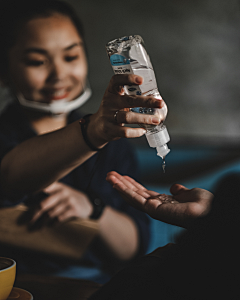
x=164, y=165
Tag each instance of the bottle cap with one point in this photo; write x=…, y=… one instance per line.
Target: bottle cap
x=163, y=151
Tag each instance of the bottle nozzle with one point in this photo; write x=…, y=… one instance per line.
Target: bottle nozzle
x=162, y=151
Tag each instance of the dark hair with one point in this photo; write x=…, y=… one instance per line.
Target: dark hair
x=15, y=13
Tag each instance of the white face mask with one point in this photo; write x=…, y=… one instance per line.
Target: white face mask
x=58, y=107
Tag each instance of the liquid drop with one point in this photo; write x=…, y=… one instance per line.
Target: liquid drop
x=164, y=165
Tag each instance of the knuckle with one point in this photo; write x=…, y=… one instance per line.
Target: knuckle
x=127, y=118
x=125, y=133
x=147, y=119
x=130, y=100
x=129, y=77
x=105, y=129
x=107, y=132
x=150, y=101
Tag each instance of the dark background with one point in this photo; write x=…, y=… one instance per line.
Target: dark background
x=195, y=51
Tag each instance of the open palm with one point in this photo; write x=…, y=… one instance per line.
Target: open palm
x=180, y=208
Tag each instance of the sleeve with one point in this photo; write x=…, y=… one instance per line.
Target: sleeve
x=5, y=146
x=120, y=157
x=8, y=141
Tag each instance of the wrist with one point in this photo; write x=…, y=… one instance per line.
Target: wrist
x=95, y=131
x=92, y=143
x=98, y=206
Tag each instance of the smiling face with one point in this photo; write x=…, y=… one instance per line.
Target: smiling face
x=48, y=61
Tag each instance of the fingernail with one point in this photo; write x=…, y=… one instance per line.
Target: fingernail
x=138, y=80
x=162, y=103
x=155, y=120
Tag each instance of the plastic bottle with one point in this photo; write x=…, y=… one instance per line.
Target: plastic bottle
x=128, y=56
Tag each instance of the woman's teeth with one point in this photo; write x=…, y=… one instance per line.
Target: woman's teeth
x=58, y=94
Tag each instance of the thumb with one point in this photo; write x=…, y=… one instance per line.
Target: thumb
x=177, y=189
x=52, y=187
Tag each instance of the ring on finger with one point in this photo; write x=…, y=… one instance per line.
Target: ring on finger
x=115, y=116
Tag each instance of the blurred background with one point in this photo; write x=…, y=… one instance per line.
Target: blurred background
x=195, y=51
x=194, y=47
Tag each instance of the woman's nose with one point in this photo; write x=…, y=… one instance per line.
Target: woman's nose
x=57, y=72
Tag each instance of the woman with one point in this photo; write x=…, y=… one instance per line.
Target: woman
x=47, y=150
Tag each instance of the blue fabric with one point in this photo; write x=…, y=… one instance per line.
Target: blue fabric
x=89, y=178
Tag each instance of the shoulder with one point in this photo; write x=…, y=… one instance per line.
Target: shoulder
x=14, y=128
x=10, y=115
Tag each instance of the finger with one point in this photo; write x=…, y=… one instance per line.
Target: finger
x=146, y=194
x=133, y=198
x=115, y=131
x=42, y=221
x=128, y=182
x=135, y=183
x=53, y=187
x=46, y=205
x=128, y=101
x=66, y=215
x=57, y=210
x=113, y=175
x=118, y=81
x=154, y=194
x=137, y=118
x=177, y=189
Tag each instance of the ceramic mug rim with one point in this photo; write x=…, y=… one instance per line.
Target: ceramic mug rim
x=13, y=263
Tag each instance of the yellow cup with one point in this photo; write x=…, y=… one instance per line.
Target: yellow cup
x=7, y=276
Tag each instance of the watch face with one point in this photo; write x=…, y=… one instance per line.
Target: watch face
x=98, y=207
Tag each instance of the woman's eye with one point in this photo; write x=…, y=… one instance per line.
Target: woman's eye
x=35, y=63
x=71, y=58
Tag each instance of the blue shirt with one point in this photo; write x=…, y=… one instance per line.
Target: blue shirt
x=90, y=178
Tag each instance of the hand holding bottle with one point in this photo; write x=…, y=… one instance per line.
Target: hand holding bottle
x=108, y=123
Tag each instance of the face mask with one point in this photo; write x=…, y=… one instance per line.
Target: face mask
x=58, y=107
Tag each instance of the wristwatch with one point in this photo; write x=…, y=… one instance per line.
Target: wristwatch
x=98, y=208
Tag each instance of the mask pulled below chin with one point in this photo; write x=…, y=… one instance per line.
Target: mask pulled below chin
x=58, y=107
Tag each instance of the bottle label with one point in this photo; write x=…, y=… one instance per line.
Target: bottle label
x=121, y=65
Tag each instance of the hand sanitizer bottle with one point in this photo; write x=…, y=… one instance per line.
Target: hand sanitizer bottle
x=128, y=56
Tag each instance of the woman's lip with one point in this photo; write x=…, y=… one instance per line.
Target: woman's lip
x=56, y=95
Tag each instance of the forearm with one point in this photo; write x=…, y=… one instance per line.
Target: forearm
x=37, y=162
x=119, y=232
